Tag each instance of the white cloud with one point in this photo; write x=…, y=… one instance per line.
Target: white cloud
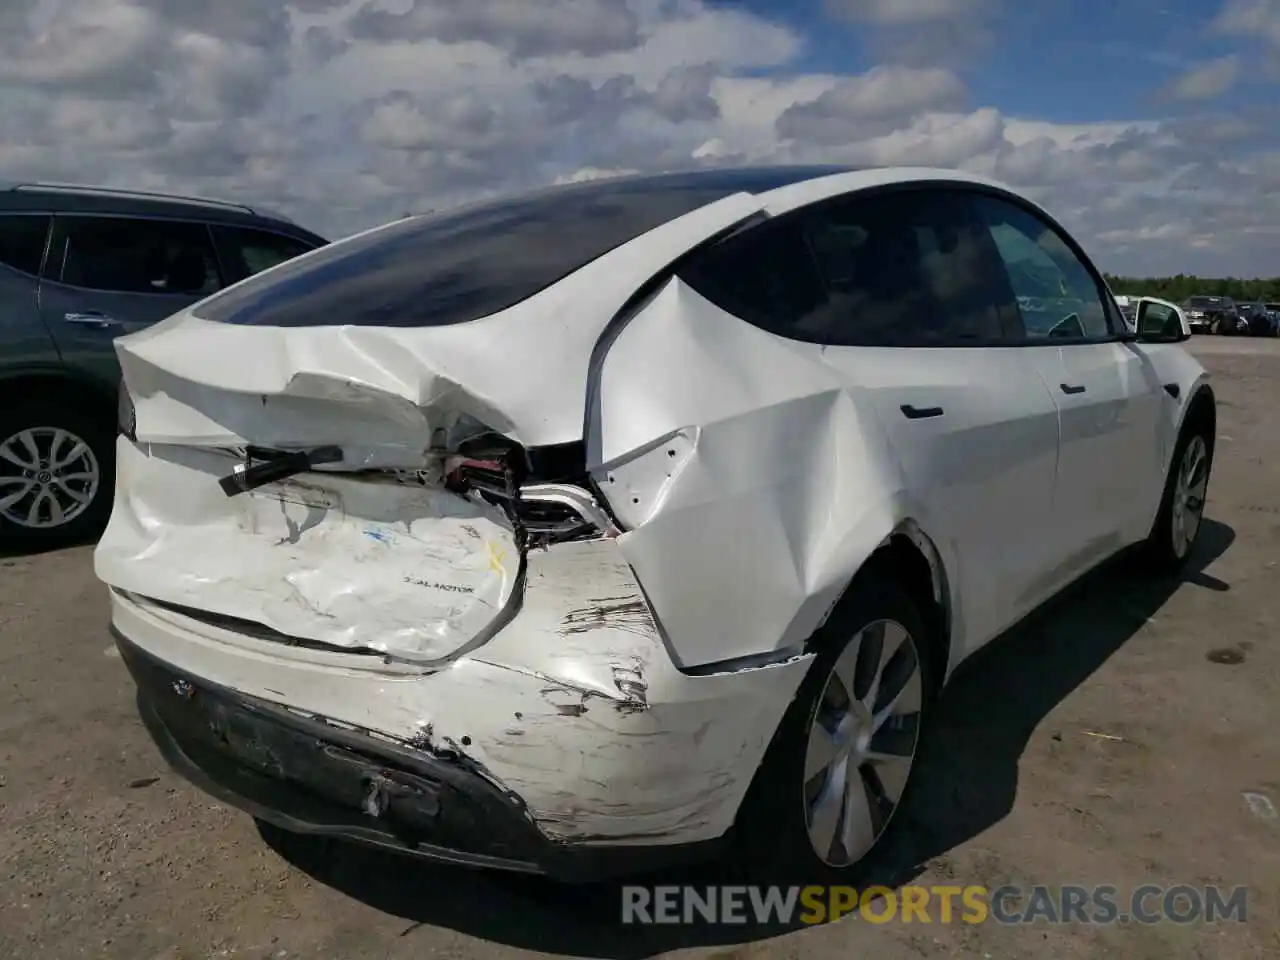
x=857, y=108
x=1251, y=19
x=593, y=173
x=1207, y=80
x=907, y=11
x=349, y=112
x=923, y=32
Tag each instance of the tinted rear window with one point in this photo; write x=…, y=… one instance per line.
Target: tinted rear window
x=22, y=240
x=475, y=261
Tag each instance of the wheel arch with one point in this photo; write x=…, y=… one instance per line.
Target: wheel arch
x=1202, y=408
x=54, y=382
x=909, y=557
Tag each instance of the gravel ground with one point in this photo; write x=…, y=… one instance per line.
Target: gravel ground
x=1107, y=742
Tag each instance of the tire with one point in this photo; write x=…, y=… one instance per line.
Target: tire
x=773, y=828
x=86, y=442
x=1169, y=546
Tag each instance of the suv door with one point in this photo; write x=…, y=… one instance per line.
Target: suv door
x=106, y=276
x=1108, y=393
x=244, y=251
x=919, y=319
x=23, y=339
x=911, y=319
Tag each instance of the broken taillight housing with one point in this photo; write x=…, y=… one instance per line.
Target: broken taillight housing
x=498, y=470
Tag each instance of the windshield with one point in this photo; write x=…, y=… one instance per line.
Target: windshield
x=477, y=260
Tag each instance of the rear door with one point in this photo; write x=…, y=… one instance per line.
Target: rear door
x=108, y=276
x=1107, y=390
x=23, y=338
x=918, y=321
x=244, y=251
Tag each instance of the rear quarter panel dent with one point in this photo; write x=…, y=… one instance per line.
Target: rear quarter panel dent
x=765, y=494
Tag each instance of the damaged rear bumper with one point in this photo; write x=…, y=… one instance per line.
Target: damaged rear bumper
x=307, y=776
x=569, y=744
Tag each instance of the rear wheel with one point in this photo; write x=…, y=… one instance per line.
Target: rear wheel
x=1178, y=523
x=57, y=465
x=840, y=764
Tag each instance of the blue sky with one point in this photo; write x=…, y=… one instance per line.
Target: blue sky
x=1057, y=60
x=1151, y=128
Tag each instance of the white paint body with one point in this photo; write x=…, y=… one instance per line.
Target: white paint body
x=752, y=476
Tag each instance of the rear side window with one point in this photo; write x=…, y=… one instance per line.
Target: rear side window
x=902, y=269
x=22, y=238
x=765, y=276
x=908, y=269
x=125, y=255
x=464, y=264
x=245, y=251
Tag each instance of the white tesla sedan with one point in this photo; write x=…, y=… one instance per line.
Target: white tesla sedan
x=578, y=531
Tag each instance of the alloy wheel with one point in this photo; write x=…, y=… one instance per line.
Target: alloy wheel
x=862, y=742
x=48, y=477
x=1188, y=495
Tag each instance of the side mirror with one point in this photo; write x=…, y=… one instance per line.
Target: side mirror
x=1160, y=322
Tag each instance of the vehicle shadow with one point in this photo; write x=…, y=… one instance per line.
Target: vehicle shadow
x=967, y=781
x=19, y=550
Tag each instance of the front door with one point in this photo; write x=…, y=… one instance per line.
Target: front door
x=919, y=324
x=108, y=276
x=1107, y=398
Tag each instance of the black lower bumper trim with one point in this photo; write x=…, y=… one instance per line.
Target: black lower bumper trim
x=307, y=776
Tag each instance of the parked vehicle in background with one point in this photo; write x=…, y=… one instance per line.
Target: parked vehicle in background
x=79, y=266
x=580, y=530
x=1258, y=321
x=1212, y=315
x=1128, y=309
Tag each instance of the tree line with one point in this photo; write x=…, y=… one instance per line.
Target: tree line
x=1179, y=288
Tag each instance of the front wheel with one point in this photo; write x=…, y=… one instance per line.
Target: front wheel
x=841, y=760
x=57, y=463
x=1178, y=523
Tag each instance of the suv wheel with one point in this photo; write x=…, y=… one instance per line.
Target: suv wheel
x=57, y=472
x=841, y=760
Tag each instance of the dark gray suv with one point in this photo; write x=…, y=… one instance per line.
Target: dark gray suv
x=80, y=266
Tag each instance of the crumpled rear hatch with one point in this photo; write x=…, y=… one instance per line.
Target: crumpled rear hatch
x=391, y=563
x=268, y=480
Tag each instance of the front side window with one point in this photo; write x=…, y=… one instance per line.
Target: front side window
x=22, y=238
x=1058, y=296
x=907, y=269
x=125, y=255
x=245, y=251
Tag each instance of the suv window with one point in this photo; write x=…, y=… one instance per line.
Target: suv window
x=125, y=255
x=1058, y=296
x=245, y=251
x=765, y=276
x=908, y=269
x=900, y=269
x=22, y=238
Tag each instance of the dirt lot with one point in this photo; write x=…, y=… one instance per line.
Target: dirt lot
x=1102, y=744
